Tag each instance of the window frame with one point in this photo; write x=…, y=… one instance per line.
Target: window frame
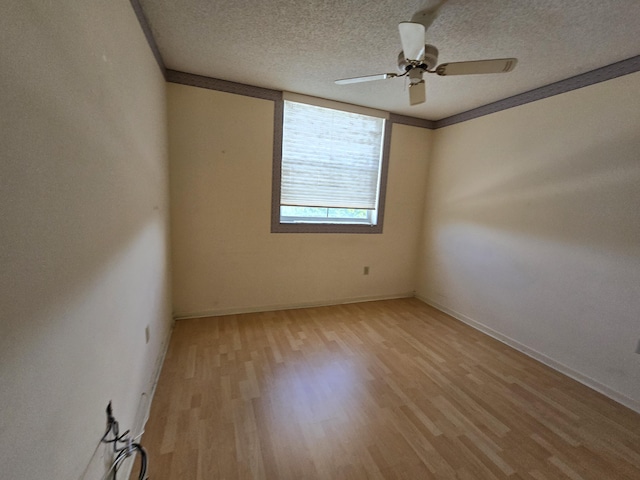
x=316, y=227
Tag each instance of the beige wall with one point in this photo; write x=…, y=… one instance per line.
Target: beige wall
x=224, y=257
x=533, y=230
x=83, y=231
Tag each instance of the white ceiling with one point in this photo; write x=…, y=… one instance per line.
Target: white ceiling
x=303, y=46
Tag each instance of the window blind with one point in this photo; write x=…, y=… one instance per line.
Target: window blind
x=330, y=158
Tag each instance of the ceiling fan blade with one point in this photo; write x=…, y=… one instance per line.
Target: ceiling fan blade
x=368, y=78
x=412, y=38
x=499, y=65
x=417, y=93
x=417, y=87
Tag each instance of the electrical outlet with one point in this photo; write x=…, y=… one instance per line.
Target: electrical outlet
x=366, y=271
x=147, y=334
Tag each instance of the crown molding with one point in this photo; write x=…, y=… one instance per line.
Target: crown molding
x=608, y=72
x=210, y=83
x=602, y=74
x=146, y=29
x=412, y=121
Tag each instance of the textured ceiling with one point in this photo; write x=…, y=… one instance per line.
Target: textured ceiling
x=303, y=46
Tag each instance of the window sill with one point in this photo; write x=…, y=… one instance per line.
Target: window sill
x=299, y=227
x=325, y=221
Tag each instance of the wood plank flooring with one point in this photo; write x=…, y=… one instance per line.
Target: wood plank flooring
x=379, y=390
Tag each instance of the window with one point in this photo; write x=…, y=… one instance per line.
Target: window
x=330, y=174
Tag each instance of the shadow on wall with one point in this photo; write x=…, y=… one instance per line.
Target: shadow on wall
x=77, y=182
x=544, y=249
x=73, y=200
x=83, y=237
x=590, y=199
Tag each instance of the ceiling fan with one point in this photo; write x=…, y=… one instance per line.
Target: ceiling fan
x=418, y=58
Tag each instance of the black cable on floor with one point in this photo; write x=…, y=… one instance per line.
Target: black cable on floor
x=129, y=448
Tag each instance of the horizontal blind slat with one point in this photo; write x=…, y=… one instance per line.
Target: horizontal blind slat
x=330, y=158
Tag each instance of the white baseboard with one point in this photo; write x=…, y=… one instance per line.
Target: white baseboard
x=102, y=458
x=550, y=362
x=142, y=415
x=288, y=306
x=144, y=407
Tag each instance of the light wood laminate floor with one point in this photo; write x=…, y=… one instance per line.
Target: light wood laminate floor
x=380, y=390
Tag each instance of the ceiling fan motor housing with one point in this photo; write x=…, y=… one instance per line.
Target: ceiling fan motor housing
x=429, y=60
x=430, y=56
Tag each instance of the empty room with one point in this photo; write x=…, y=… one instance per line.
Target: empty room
x=320, y=240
